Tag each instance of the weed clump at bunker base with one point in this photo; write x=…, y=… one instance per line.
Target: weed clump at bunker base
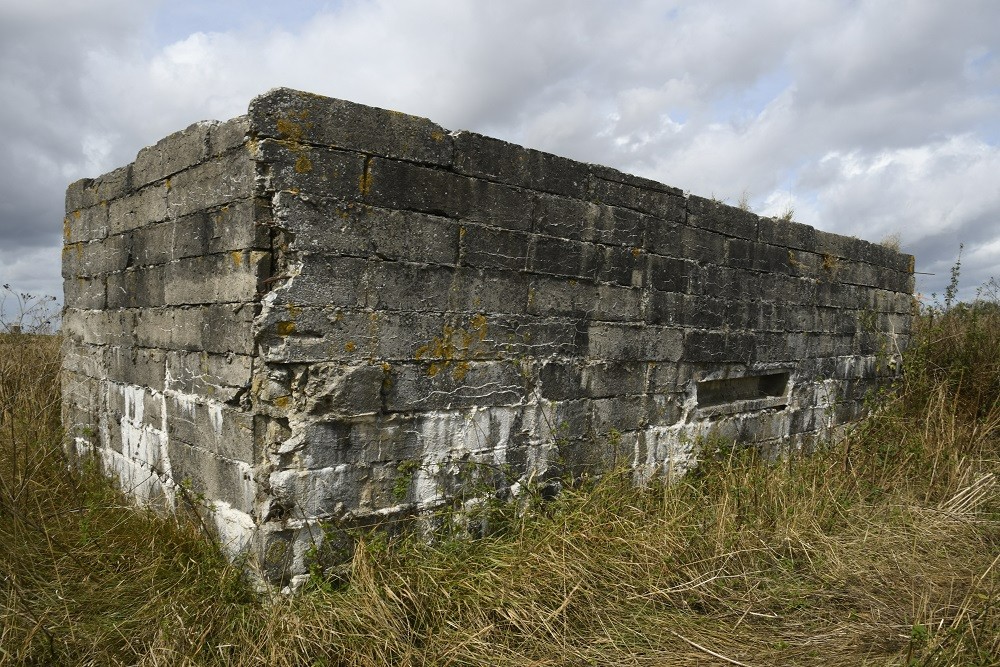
x=880, y=549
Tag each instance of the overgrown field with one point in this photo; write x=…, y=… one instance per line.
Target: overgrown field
x=881, y=549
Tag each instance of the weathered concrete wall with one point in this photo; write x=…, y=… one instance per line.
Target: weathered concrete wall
x=329, y=312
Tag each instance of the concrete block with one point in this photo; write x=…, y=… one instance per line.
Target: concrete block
x=700, y=245
x=171, y=154
x=340, y=390
x=226, y=328
x=227, y=229
x=211, y=426
x=609, y=186
x=221, y=377
x=405, y=286
x=228, y=135
x=665, y=238
x=561, y=380
x=142, y=287
x=400, y=335
x=634, y=342
x=355, y=441
x=559, y=257
x=401, y=185
x=668, y=274
x=604, y=379
x=319, y=171
x=786, y=233
x=86, y=224
x=755, y=256
x=522, y=337
x=144, y=207
x=333, y=226
x=82, y=391
x=141, y=367
x=618, y=304
x=216, y=182
x=549, y=296
x=492, y=291
x=224, y=278
x=664, y=308
x=99, y=327
x=297, y=117
x=619, y=226
x=169, y=328
x=446, y=386
x=325, y=280
x=622, y=266
x=488, y=248
x=617, y=414
x=85, y=293
x=704, y=313
x=83, y=359
x=720, y=218
x=833, y=246
x=110, y=186
x=326, y=492
x=293, y=333
x=565, y=217
x=718, y=346
x=495, y=160
x=212, y=476
x=96, y=257
x=414, y=237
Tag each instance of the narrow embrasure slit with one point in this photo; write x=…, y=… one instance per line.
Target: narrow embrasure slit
x=747, y=388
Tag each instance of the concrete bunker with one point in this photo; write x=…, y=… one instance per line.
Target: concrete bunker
x=324, y=313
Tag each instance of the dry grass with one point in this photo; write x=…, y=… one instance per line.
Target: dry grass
x=878, y=550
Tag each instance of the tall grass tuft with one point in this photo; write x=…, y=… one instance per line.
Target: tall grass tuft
x=878, y=549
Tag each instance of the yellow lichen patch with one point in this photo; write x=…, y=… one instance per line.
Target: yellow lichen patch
x=460, y=370
x=76, y=215
x=289, y=129
x=365, y=183
x=437, y=135
x=282, y=401
x=293, y=310
x=636, y=252
x=285, y=328
x=66, y=227
x=461, y=232
x=455, y=347
x=349, y=346
x=166, y=184
x=442, y=347
x=237, y=258
x=478, y=324
x=303, y=165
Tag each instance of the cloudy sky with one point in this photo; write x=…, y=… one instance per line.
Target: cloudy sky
x=867, y=117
